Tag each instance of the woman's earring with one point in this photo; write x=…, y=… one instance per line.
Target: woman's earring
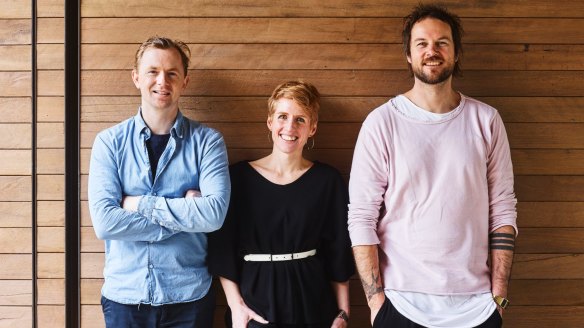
x=311, y=146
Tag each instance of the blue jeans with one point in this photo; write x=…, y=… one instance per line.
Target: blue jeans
x=197, y=314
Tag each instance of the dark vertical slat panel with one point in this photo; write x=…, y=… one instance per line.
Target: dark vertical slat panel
x=34, y=89
x=72, y=176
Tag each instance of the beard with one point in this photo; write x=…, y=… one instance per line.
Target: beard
x=432, y=78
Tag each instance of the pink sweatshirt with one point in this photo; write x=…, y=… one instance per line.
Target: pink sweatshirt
x=429, y=193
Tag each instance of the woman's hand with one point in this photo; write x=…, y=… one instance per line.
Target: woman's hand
x=339, y=323
x=241, y=315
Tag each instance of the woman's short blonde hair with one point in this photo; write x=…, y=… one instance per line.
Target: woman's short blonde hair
x=302, y=93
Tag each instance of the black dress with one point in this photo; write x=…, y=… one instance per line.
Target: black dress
x=267, y=218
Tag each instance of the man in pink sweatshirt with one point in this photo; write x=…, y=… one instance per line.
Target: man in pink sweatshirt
x=432, y=214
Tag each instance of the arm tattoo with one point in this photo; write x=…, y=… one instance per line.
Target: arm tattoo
x=502, y=241
x=372, y=288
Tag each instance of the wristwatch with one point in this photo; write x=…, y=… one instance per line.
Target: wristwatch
x=343, y=315
x=501, y=301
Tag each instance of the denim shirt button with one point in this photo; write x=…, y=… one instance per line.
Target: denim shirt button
x=151, y=266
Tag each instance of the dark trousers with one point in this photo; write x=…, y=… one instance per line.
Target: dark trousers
x=388, y=316
x=197, y=314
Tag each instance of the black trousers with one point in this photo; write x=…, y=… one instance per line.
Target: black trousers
x=388, y=316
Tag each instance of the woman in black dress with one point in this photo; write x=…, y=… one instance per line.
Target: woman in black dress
x=283, y=254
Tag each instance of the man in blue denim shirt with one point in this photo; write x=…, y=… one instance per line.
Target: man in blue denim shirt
x=157, y=183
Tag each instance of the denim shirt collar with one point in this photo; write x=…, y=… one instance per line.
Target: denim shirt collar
x=177, y=130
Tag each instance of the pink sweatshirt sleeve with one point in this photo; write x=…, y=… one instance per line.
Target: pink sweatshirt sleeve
x=502, y=201
x=368, y=181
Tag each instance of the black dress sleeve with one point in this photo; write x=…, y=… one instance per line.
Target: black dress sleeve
x=335, y=247
x=222, y=253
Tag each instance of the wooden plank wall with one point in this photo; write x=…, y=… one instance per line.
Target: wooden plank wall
x=525, y=58
x=16, y=285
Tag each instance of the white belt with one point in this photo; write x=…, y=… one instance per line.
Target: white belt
x=278, y=257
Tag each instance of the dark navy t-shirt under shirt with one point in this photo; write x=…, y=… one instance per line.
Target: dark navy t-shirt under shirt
x=156, y=145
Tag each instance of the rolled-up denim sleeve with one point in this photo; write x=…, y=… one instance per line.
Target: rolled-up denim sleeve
x=110, y=220
x=196, y=214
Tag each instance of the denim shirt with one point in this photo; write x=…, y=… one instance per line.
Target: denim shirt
x=157, y=254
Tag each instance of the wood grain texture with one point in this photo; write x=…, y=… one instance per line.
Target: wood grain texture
x=16, y=266
x=15, y=189
x=16, y=214
x=15, y=292
x=550, y=214
x=15, y=84
x=315, y=8
x=53, y=316
x=51, y=291
x=15, y=31
x=50, y=161
x=50, y=187
x=50, y=213
x=51, y=265
x=16, y=110
x=15, y=162
x=51, y=109
x=50, y=239
x=15, y=58
x=310, y=30
x=15, y=240
x=50, y=56
x=548, y=266
x=15, y=316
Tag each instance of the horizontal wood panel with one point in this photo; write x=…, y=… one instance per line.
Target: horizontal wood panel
x=548, y=162
x=50, y=161
x=15, y=162
x=92, y=265
x=15, y=31
x=15, y=136
x=15, y=240
x=51, y=83
x=16, y=214
x=15, y=316
x=50, y=213
x=314, y=8
x=50, y=187
x=550, y=214
x=550, y=240
x=15, y=9
x=15, y=84
x=325, y=56
x=329, y=82
x=85, y=216
x=255, y=135
x=16, y=266
x=15, y=58
x=51, y=291
x=547, y=292
x=547, y=266
x=50, y=56
x=91, y=291
x=15, y=189
x=310, y=30
x=15, y=292
x=549, y=188
x=16, y=110
x=51, y=135
x=92, y=316
x=50, y=239
x=51, y=109
x=50, y=30
x=50, y=265
x=54, y=316
x=51, y=8
x=333, y=109
x=89, y=242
